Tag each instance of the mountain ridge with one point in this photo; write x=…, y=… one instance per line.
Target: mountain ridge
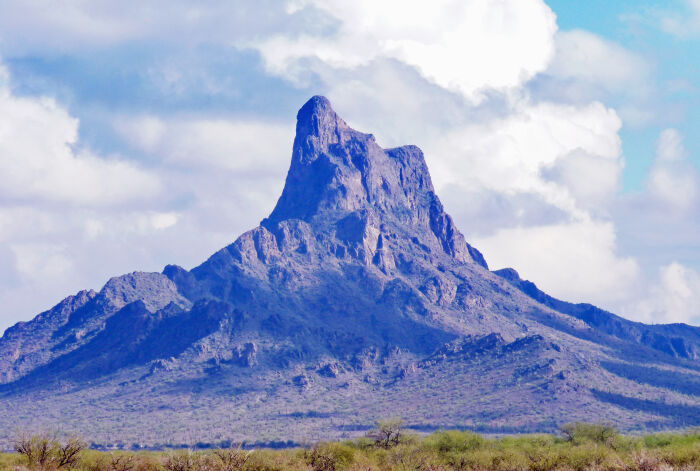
x=668, y=338
x=355, y=299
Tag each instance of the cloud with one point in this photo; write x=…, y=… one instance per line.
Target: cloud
x=41, y=261
x=584, y=57
x=574, y=261
x=673, y=181
x=517, y=154
x=587, y=67
x=86, y=25
x=669, y=146
x=466, y=47
x=684, y=25
x=592, y=180
x=195, y=143
x=40, y=159
x=672, y=298
x=546, y=169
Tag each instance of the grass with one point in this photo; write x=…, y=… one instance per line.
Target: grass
x=581, y=447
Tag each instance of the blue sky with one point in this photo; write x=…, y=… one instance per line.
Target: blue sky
x=562, y=136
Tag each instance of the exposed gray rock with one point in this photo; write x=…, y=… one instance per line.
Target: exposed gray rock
x=245, y=355
x=163, y=365
x=301, y=381
x=331, y=370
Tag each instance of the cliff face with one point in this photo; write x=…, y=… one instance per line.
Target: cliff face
x=338, y=173
x=356, y=299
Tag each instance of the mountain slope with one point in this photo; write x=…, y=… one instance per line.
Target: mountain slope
x=357, y=298
x=677, y=340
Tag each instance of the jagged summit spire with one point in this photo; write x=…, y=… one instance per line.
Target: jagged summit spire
x=318, y=127
x=337, y=171
x=326, y=159
x=317, y=107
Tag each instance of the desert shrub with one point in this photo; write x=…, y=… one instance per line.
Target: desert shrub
x=586, y=450
x=277, y=460
x=680, y=455
x=523, y=443
x=231, y=459
x=329, y=457
x=587, y=457
x=543, y=459
x=387, y=433
x=460, y=461
x=9, y=461
x=410, y=458
x=189, y=461
x=645, y=461
x=363, y=462
x=47, y=452
x=109, y=462
x=360, y=443
x=478, y=460
x=657, y=440
x=180, y=461
x=481, y=460
x=581, y=432
x=121, y=462
x=661, y=440
x=508, y=460
x=453, y=441
x=147, y=461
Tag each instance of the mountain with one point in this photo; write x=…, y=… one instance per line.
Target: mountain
x=356, y=299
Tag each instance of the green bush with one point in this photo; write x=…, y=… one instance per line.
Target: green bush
x=387, y=433
x=276, y=460
x=586, y=447
x=451, y=441
x=47, y=452
x=581, y=432
x=188, y=461
x=329, y=457
x=543, y=459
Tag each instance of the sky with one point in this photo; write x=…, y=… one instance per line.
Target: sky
x=561, y=136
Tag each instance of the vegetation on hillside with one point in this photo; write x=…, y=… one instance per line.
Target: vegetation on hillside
x=580, y=447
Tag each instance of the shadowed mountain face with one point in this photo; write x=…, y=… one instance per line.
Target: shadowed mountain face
x=356, y=299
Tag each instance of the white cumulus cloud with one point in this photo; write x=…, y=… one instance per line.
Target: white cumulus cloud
x=516, y=153
x=236, y=145
x=582, y=56
x=672, y=180
x=672, y=298
x=464, y=46
x=40, y=158
x=684, y=25
x=575, y=261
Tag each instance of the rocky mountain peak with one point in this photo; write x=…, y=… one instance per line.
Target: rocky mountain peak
x=337, y=171
x=335, y=168
x=357, y=290
x=318, y=127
